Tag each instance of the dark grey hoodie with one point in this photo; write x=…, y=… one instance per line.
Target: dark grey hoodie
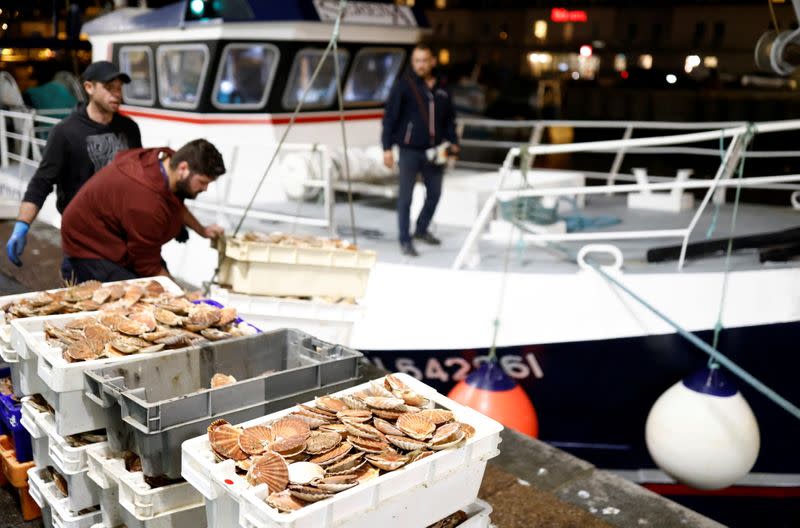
x=78, y=147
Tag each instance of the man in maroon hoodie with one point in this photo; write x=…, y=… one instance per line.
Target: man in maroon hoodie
x=115, y=226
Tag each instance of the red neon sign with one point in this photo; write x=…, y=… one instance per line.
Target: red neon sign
x=559, y=14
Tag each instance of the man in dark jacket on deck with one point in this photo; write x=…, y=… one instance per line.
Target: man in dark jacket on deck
x=77, y=147
x=115, y=226
x=419, y=117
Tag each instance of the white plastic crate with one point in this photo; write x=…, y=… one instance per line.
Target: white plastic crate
x=414, y=496
x=71, y=463
x=134, y=494
x=332, y=322
x=46, y=495
x=260, y=268
x=39, y=441
x=24, y=375
x=5, y=328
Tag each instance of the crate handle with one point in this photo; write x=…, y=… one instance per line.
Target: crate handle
x=8, y=355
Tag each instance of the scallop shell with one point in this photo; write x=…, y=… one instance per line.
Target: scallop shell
x=387, y=460
x=80, y=323
x=131, y=327
x=154, y=288
x=377, y=389
x=312, y=421
x=366, y=473
x=418, y=455
x=269, y=469
x=284, y=501
x=469, y=431
x=333, y=455
x=305, y=472
x=337, y=428
x=393, y=383
x=366, y=445
x=416, y=426
x=309, y=494
x=115, y=291
x=330, y=416
x=384, y=403
x=227, y=316
x=330, y=404
x=225, y=441
x=437, y=416
x=132, y=295
x=348, y=464
x=290, y=426
x=363, y=430
x=453, y=441
x=146, y=318
x=150, y=349
x=204, y=315
x=215, y=334
x=166, y=317
x=354, y=415
x=220, y=380
x=353, y=402
x=412, y=398
x=87, y=306
x=98, y=331
x=388, y=415
x=85, y=350
x=290, y=446
x=386, y=428
x=336, y=483
x=320, y=442
x=445, y=433
x=254, y=440
x=216, y=423
x=405, y=443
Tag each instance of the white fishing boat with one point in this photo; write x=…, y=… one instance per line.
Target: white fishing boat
x=592, y=359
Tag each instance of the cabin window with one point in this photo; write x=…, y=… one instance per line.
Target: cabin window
x=245, y=77
x=181, y=71
x=137, y=62
x=323, y=92
x=373, y=74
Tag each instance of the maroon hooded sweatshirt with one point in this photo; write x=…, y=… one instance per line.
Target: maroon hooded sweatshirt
x=124, y=214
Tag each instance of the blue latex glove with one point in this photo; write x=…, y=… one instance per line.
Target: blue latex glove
x=16, y=244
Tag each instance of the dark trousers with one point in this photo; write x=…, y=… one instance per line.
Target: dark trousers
x=99, y=269
x=411, y=163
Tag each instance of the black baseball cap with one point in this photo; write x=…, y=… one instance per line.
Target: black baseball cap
x=104, y=71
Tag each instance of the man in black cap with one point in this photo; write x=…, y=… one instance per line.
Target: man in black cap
x=77, y=147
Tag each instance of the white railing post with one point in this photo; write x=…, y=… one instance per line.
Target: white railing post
x=3, y=141
x=326, y=166
x=536, y=139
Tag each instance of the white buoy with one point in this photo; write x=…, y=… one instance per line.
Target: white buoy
x=702, y=432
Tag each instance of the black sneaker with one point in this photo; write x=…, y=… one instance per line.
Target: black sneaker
x=428, y=239
x=408, y=250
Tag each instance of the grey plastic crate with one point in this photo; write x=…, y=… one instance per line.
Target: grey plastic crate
x=152, y=405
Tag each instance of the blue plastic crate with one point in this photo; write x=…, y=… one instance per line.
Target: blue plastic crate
x=10, y=416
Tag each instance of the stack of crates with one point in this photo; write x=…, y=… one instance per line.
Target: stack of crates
x=15, y=451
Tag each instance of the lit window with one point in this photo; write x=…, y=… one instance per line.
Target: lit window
x=245, y=77
x=137, y=62
x=373, y=74
x=710, y=61
x=181, y=71
x=540, y=29
x=569, y=31
x=620, y=62
x=444, y=57
x=503, y=35
x=691, y=62
x=646, y=61
x=323, y=91
x=441, y=4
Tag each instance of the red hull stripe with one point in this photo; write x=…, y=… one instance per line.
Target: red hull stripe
x=266, y=120
x=733, y=491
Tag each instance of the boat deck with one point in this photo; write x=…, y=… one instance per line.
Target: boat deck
x=376, y=229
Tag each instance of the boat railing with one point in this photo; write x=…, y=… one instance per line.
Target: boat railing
x=23, y=135
x=739, y=137
x=537, y=128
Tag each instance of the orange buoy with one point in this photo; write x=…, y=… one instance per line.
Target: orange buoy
x=490, y=391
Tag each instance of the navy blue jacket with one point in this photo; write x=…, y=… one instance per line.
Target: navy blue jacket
x=404, y=122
